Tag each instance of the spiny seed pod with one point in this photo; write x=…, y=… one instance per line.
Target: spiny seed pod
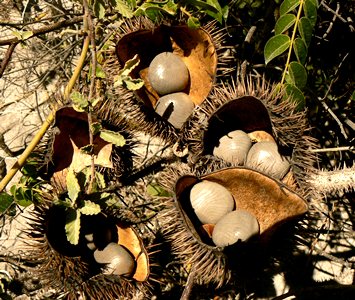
x=175, y=108
x=234, y=226
x=72, y=269
x=167, y=73
x=258, y=109
x=200, y=50
x=210, y=201
x=269, y=201
x=119, y=261
x=265, y=157
x=233, y=147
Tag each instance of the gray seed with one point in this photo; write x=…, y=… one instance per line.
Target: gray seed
x=233, y=147
x=210, y=201
x=176, y=108
x=168, y=73
x=119, y=261
x=265, y=157
x=236, y=225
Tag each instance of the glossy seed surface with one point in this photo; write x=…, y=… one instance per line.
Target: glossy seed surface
x=175, y=108
x=168, y=73
x=265, y=157
x=233, y=147
x=210, y=201
x=119, y=261
x=236, y=225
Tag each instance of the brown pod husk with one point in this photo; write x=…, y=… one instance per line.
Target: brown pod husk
x=70, y=132
x=270, y=201
x=200, y=49
x=71, y=269
x=254, y=107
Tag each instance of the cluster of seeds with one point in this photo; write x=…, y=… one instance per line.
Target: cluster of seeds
x=214, y=206
x=169, y=77
x=238, y=147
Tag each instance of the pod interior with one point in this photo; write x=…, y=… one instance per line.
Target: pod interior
x=194, y=46
x=246, y=113
x=105, y=230
x=270, y=201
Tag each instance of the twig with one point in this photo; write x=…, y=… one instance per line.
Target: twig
x=22, y=159
x=88, y=25
x=344, y=148
x=45, y=29
x=189, y=284
x=7, y=57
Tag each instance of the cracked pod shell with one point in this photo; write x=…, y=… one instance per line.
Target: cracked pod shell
x=271, y=202
x=69, y=133
x=256, y=108
x=71, y=268
x=198, y=48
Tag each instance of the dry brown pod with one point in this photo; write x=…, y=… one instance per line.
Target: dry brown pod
x=260, y=110
x=72, y=269
x=200, y=50
x=271, y=202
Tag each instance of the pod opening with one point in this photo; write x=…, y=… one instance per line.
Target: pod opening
x=246, y=113
x=194, y=46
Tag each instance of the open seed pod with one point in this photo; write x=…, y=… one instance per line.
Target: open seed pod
x=269, y=201
x=260, y=112
x=70, y=133
x=198, y=49
x=75, y=269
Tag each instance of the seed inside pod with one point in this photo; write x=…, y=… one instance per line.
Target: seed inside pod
x=168, y=73
x=175, y=107
x=210, y=201
x=233, y=147
x=265, y=157
x=119, y=261
x=236, y=225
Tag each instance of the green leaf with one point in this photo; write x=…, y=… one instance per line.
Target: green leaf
x=129, y=66
x=100, y=73
x=300, y=49
x=288, y=5
x=275, y=46
x=95, y=101
x=157, y=191
x=88, y=149
x=123, y=78
x=122, y=8
x=310, y=11
x=99, y=9
x=72, y=226
x=22, y=35
x=305, y=29
x=23, y=196
x=296, y=95
x=95, y=127
x=284, y=23
x=298, y=74
x=151, y=9
x=193, y=22
x=80, y=102
x=113, y=137
x=72, y=185
x=100, y=179
x=6, y=201
x=90, y=208
x=133, y=84
x=26, y=35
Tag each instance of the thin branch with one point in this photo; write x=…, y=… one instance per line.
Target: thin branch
x=7, y=57
x=22, y=159
x=45, y=29
x=189, y=284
